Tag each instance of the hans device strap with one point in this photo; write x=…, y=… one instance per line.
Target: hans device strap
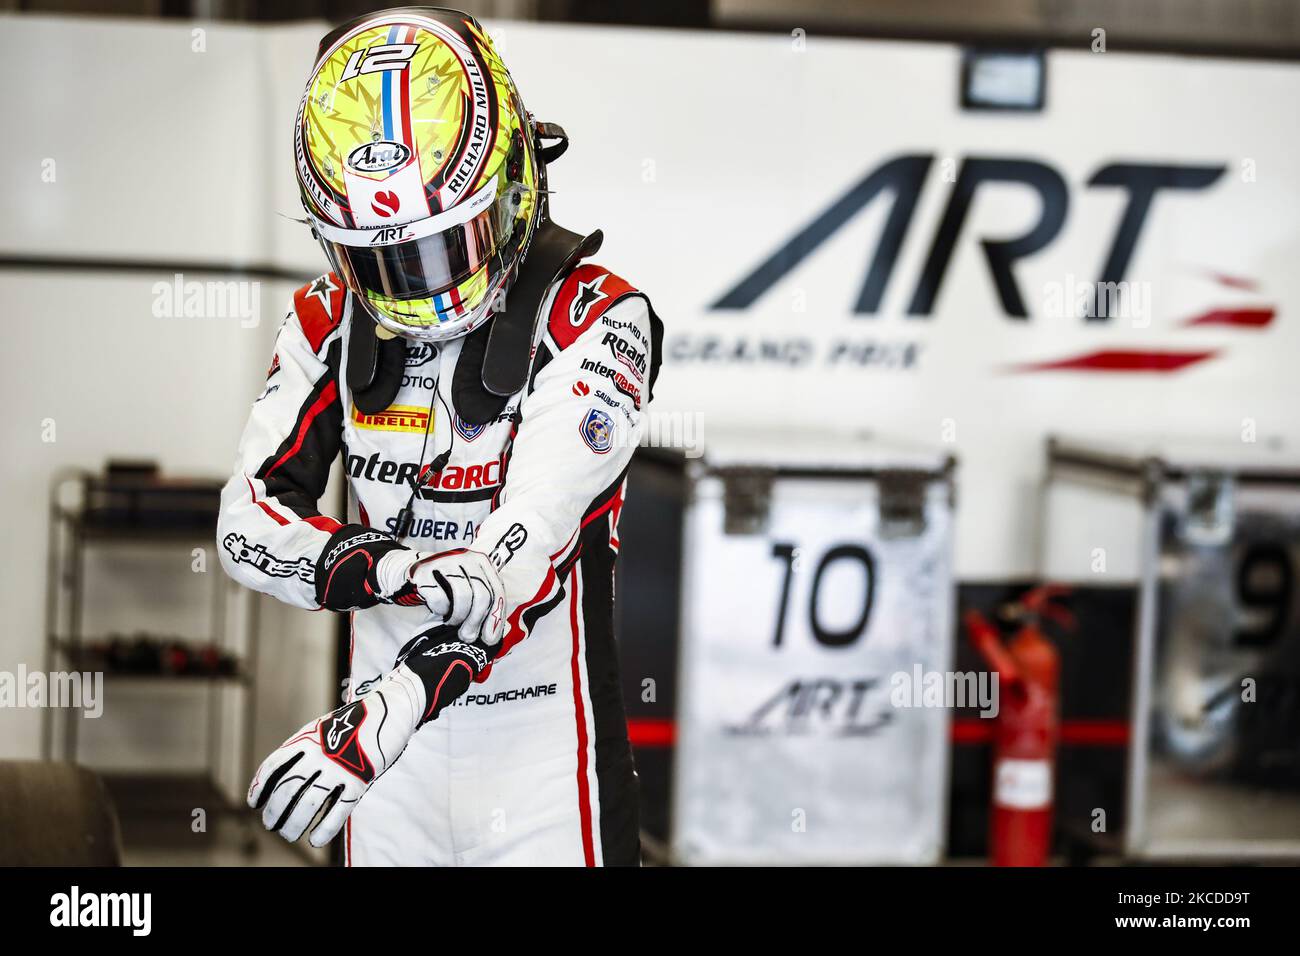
x=375, y=365
x=554, y=251
x=474, y=404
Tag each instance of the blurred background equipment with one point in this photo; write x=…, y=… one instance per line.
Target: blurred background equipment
x=1003, y=80
x=56, y=814
x=787, y=607
x=1210, y=533
x=1026, y=727
x=133, y=506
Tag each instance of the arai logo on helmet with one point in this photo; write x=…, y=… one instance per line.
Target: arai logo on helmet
x=379, y=156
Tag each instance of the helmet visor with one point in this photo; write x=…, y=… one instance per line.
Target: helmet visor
x=421, y=259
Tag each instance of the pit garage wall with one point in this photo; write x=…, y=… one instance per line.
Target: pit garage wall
x=701, y=157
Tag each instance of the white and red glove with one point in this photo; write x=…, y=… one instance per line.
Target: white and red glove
x=360, y=567
x=462, y=588
x=323, y=770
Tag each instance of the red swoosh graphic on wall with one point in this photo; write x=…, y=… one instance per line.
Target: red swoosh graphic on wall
x=1234, y=282
x=1241, y=318
x=1120, y=360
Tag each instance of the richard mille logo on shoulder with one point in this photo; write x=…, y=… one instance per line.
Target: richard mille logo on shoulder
x=589, y=293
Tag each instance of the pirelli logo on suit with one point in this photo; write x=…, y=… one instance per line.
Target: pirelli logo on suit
x=394, y=418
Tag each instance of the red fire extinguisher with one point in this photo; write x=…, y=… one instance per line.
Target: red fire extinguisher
x=1025, y=729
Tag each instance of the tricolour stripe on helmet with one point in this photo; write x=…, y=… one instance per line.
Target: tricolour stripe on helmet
x=396, y=99
x=389, y=79
x=404, y=114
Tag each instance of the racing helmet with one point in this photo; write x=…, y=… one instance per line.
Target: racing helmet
x=419, y=169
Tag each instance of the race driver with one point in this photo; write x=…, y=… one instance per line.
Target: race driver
x=483, y=722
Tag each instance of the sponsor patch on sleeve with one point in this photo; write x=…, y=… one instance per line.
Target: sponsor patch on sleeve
x=597, y=431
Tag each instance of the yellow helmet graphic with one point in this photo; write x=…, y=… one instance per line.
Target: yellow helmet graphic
x=418, y=166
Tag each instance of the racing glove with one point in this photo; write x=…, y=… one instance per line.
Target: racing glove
x=323, y=771
x=462, y=588
x=347, y=570
x=361, y=567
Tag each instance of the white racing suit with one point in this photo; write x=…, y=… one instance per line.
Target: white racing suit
x=532, y=765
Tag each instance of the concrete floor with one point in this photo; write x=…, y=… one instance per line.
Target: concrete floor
x=231, y=842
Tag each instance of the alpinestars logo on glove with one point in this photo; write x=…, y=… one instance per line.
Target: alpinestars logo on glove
x=365, y=537
x=338, y=740
x=475, y=654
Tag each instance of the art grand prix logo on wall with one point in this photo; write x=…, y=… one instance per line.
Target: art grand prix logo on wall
x=899, y=183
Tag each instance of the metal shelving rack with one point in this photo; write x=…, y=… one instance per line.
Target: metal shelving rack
x=90, y=511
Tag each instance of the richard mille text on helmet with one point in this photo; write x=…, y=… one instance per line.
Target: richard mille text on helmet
x=485, y=438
